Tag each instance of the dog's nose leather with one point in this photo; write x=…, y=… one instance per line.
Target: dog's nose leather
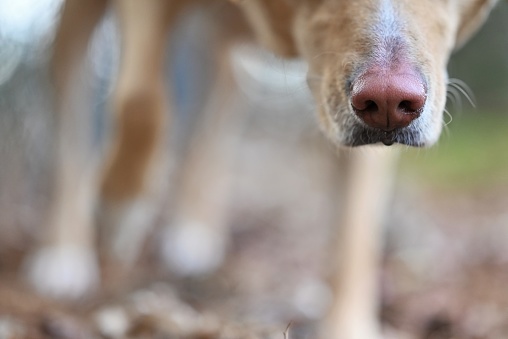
x=388, y=100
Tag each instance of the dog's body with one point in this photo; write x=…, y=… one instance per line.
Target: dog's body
x=377, y=70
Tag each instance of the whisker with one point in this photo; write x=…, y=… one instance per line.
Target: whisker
x=451, y=99
x=449, y=116
x=464, y=86
x=324, y=53
x=464, y=89
x=456, y=97
x=446, y=128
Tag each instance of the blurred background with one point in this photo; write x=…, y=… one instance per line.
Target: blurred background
x=446, y=253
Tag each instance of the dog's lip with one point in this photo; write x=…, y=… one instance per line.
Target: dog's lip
x=389, y=138
x=367, y=136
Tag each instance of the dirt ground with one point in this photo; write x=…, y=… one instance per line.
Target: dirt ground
x=443, y=281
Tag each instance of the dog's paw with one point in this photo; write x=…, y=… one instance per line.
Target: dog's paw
x=192, y=248
x=358, y=333
x=124, y=227
x=63, y=272
x=348, y=327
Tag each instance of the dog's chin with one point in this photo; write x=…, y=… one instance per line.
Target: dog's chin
x=360, y=135
x=345, y=129
x=368, y=137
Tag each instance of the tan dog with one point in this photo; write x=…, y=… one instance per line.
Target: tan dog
x=377, y=69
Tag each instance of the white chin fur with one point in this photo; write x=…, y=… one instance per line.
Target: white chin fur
x=63, y=272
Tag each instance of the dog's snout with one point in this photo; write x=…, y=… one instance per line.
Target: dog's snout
x=388, y=101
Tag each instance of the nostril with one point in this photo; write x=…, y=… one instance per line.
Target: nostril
x=363, y=102
x=407, y=107
x=366, y=106
x=371, y=106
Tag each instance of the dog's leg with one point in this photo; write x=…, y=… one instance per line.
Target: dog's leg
x=131, y=180
x=354, y=312
x=65, y=264
x=196, y=239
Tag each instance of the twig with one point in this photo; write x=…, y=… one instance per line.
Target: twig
x=286, y=332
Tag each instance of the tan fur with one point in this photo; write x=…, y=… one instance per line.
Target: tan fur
x=272, y=25
x=139, y=103
x=337, y=38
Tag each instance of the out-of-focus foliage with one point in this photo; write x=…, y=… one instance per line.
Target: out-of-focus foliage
x=483, y=63
x=472, y=150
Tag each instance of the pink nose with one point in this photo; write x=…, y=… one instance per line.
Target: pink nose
x=388, y=101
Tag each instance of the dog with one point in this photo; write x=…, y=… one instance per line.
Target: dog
x=377, y=72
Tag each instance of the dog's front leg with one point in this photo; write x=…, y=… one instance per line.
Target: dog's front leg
x=65, y=263
x=357, y=248
x=195, y=240
x=132, y=178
